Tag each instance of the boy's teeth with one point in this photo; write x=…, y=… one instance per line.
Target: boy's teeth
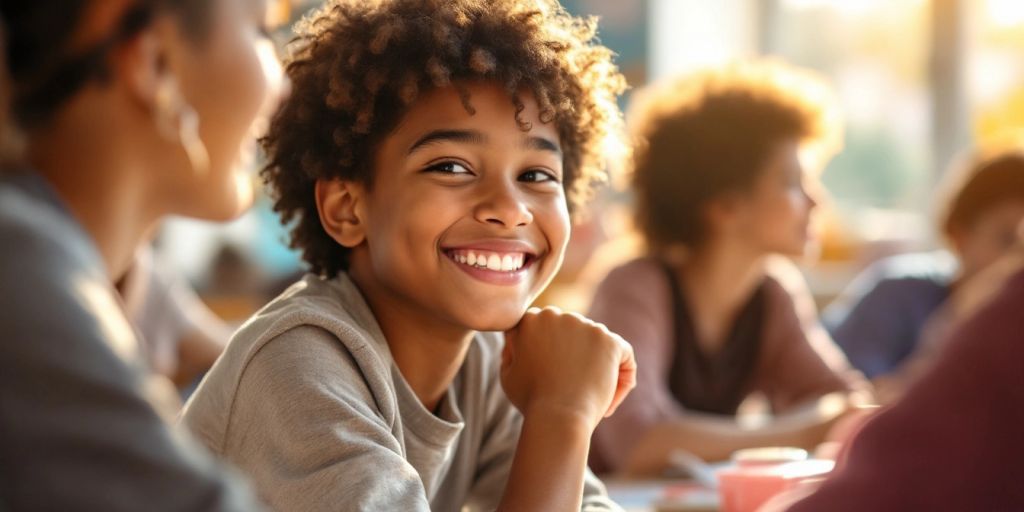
x=491, y=261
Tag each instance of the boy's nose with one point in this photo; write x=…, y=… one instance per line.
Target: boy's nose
x=503, y=207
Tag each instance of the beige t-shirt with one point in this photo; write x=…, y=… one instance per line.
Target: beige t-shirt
x=308, y=401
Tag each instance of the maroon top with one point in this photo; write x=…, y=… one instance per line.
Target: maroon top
x=956, y=439
x=791, y=359
x=718, y=382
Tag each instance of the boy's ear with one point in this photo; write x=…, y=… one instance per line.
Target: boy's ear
x=341, y=205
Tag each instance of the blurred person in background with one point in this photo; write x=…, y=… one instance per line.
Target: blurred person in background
x=131, y=110
x=721, y=178
x=181, y=337
x=893, y=318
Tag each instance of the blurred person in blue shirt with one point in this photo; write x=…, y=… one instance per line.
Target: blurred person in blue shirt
x=887, y=311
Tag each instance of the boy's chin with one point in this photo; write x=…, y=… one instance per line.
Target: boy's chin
x=497, y=321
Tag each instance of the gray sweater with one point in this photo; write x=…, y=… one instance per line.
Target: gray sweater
x=78, y=428
x=309, y=402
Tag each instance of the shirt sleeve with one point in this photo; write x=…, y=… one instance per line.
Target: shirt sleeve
x=633, y=302
x=876, y=334
x=78, y=430
x=800, y=362
x=305, y=428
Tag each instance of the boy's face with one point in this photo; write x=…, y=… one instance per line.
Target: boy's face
x=466, y=220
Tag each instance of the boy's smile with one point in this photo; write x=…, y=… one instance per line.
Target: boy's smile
x=466, y=219
x=497, y=261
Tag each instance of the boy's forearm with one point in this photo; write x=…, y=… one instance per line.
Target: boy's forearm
x=551, y=458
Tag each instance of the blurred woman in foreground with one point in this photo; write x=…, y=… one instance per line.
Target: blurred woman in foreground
x=721, y=182
x=130, y=110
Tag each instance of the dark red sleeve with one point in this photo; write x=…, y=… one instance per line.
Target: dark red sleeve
x=956, y=440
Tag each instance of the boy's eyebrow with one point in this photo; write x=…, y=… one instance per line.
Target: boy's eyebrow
x=542, y=144
x=476, y=137
x=470, y=136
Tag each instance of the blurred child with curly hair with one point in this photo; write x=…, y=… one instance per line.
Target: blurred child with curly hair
x=723, y=189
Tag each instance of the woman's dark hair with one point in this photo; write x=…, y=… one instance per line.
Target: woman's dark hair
x=701, y=136
x=5, y=100
x=5, y=86
x=990, y=180
x=359, y=65
x=43, y=68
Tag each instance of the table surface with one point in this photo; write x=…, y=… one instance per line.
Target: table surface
x=661, y=495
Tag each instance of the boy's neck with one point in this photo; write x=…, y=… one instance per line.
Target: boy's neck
x=428, y=351
x=428, y=363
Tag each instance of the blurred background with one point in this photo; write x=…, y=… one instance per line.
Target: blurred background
x=920, y=82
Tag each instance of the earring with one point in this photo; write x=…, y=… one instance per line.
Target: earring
x=179, y=122
x=188, y=134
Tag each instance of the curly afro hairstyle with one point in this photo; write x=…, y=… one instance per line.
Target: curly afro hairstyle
x=703, y=135
x=358, y=65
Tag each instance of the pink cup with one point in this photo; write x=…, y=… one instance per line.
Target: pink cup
x=744, y=488
x=768, y=456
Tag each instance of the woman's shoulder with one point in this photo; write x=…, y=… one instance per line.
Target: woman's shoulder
x=785, y=286
x=638, y=274
x=790, y=309
x=635, y=300
x=37, y=228
x=50, y=269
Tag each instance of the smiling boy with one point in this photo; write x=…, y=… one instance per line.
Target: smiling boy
x=428, y=157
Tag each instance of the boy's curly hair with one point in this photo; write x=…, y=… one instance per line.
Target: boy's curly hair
x=703, y=135
x=358, y=65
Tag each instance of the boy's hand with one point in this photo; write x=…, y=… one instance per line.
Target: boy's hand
x=559, y=363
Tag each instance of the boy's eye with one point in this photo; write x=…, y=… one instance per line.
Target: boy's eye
x=449, y=168
x=537, y=176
